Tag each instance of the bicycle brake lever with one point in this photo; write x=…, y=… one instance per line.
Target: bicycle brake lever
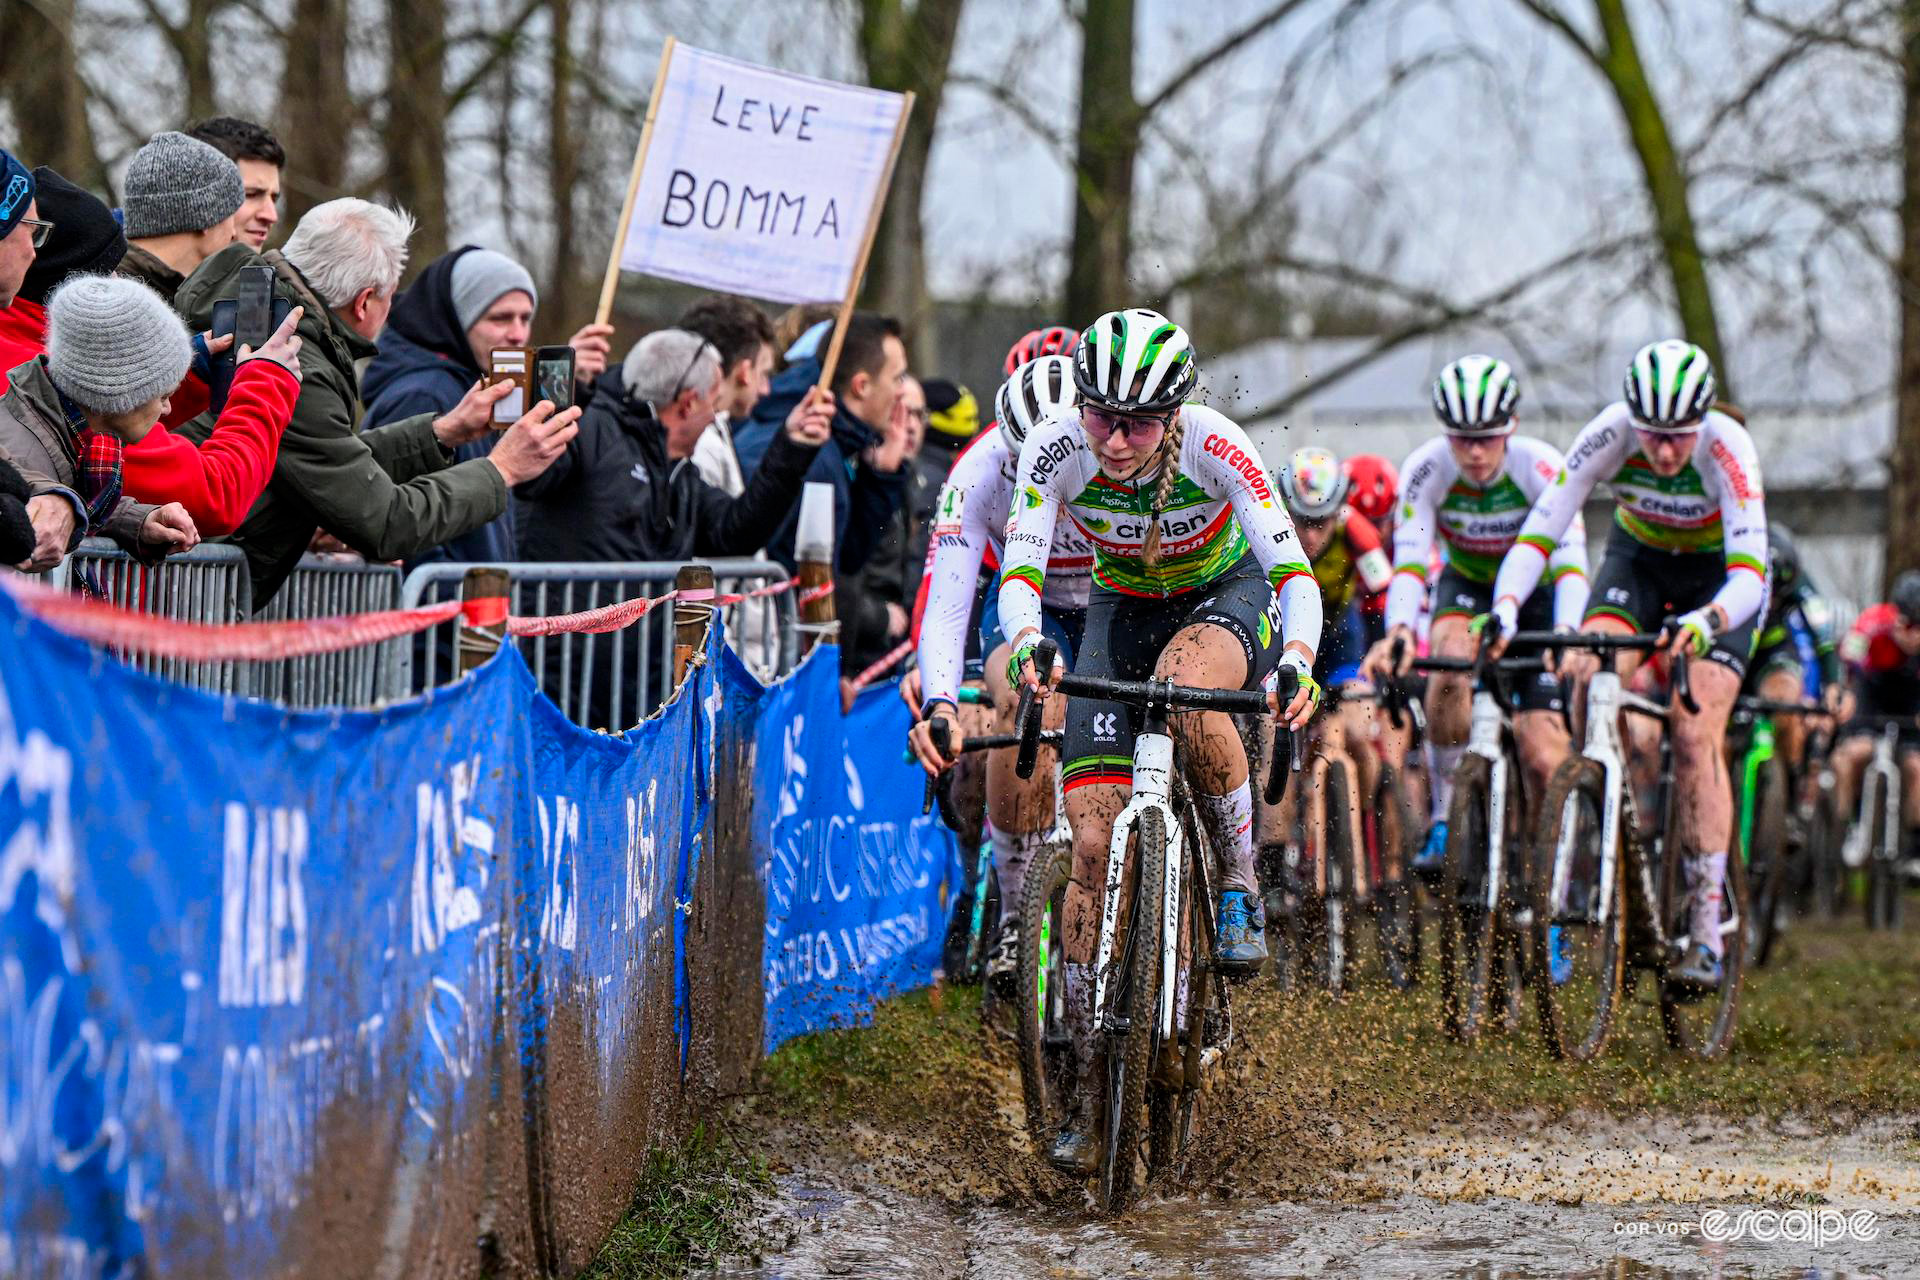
x=942, y=740
x=1395, y=697
x=1026, y=719
x=1284, y=762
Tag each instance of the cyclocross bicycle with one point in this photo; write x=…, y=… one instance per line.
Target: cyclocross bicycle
x=1485, y=905
x=1611, y=877
x=1879, y=817
x=1160, y=1015
x=1765, y=787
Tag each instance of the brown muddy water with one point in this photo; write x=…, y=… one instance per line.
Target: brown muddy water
x=1590, y=1198
x=1351, y=1139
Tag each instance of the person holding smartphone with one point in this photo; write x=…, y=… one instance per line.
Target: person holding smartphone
x=440, y=340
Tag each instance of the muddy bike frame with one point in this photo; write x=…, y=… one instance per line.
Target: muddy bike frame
x=1153, y=764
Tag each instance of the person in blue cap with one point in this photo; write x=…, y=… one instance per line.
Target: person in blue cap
x=21, y=230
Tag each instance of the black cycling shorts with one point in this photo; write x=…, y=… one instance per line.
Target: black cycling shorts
x=1455, y=595
x=1123, y=641
x=1783, y=656
x=1643, y=587
x=1874, y=702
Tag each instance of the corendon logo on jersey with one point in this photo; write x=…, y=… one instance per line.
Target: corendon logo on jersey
x=1234, y=456
x=1736, y=474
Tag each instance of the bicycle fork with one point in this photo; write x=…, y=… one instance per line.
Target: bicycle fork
x=1603, y=747
x=1484, y=740
x=1152, y=778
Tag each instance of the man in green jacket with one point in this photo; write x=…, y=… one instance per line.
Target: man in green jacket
x=391, y=492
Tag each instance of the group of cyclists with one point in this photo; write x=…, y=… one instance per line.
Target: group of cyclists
x=1145, y=537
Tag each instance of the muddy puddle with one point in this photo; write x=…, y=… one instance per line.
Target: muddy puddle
x=1582, y=1197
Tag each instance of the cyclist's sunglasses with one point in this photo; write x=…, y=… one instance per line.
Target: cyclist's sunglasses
x=41, y=230
x=1134, y=426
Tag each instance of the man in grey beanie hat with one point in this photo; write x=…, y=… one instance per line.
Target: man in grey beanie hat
x=115, y=352
x=180, y=200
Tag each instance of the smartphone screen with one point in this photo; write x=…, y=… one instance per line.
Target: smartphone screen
x=553, y=376
x=510, y=365
x=253, y=312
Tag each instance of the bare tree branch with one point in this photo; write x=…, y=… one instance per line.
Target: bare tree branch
x=1547, y=12
x=1198, y=64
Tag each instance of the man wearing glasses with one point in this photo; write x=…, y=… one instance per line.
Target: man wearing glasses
x=21, y=230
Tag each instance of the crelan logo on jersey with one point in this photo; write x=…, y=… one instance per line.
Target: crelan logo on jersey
x=1095, y=524
x=1266, y=631
x=1030, y=497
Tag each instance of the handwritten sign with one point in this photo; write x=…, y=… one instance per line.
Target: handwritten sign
x=758, y=182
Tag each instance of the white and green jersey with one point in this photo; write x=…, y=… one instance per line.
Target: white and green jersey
x=1223, y=507
x=1476, y=524
x=1714, y=506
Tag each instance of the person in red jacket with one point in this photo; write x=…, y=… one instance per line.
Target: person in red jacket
x=84, y=240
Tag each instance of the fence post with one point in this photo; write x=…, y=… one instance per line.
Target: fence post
x=813, y=548
x=691, y=616
x=485, y=626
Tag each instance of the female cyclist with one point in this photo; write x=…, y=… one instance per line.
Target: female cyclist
x=1198, y=577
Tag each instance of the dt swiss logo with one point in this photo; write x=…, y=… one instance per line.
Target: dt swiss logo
x=1233, y=455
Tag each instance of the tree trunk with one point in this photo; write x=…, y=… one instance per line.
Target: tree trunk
x=416, y=127
x=38, y=68
x=193, y=41
x=563, y=152
x=1903, y=489
x=315, y=105
x=1666, y=182
x=908, y=50
x=1108, y=142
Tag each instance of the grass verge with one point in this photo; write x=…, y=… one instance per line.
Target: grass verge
x=695, y=1204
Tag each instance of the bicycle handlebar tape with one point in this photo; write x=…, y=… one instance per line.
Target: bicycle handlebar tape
x=942, y=742
x=1028, y=718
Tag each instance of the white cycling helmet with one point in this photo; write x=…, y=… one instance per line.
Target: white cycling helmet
x=1038, y=390
x=1135, y=361
x=1476, y=396
x=1669, y=386
x=1314, y=484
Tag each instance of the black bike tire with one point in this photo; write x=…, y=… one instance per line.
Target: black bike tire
x=1769, y=856
x=1130, y=1057
x=1879, y=899
x=1038, y=1089
x=1678, y=1029
x=1576, y=776
x=1170, y=1108
x=1460, y=943
x=1824, y=869
x=1396, y=904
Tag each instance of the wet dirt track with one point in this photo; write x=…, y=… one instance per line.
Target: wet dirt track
x=1378, y=1150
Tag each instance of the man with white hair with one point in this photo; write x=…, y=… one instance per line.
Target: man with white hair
x=627, y=487
x=390, y=492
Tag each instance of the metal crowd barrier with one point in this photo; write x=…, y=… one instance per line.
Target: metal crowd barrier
x=212, y=584
x=617, y=679
x=325, y=586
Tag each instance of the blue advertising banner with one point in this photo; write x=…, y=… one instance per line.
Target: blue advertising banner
x=326, y=992
x=856, y=874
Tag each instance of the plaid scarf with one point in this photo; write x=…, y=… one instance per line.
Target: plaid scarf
x=97, y=463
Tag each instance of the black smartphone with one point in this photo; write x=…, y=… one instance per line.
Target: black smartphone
x=226, y=316
x=253, y=308
x=553, y=376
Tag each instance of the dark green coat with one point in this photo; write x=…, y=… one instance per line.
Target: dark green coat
x=388, y=493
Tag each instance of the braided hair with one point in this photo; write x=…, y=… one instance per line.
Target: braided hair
x=1163, y=489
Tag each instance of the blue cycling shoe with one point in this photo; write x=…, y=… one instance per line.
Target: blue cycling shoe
x=1559, y=956
x=1243, y=934
x=1433, y=854
x=1700, y=974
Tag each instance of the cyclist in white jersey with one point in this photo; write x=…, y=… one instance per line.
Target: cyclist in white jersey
x=1689, y=538
x=1473, y=488
x=970, y=524
x=1198, y=577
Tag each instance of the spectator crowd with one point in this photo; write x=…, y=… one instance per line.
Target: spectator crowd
x=366, y=423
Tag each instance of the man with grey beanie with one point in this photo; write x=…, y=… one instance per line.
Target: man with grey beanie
x=440, y=338
x=115, y=352
x=181, y=195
